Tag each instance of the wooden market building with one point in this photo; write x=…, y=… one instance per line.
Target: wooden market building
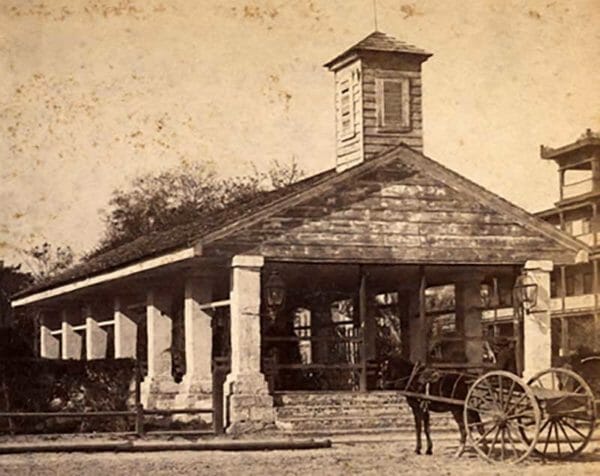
x=296, y=286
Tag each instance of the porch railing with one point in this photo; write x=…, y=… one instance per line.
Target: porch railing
x=333, y=362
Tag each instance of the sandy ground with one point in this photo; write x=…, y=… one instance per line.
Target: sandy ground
x=381, y=456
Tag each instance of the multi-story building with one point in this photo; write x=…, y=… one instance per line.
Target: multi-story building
x=575, y=288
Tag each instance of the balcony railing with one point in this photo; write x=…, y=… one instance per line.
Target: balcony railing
x=577, y=188
x=585, y=302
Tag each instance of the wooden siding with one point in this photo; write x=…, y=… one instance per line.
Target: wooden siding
x=393, y=215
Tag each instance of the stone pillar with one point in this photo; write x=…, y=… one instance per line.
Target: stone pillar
x=197, y=381
x=95, y=337
x=125, y=332
x=537, y=335
x=468, y=318
x=71, y=344
x=159, y=388
x=49, y=344
x=248, y=405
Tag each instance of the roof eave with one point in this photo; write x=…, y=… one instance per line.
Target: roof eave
x=336, y=62
x=551, y=153
x=25, y=298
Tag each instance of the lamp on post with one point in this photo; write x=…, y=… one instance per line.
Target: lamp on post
x=525, y=292
x=274, y=293
x=486, y=294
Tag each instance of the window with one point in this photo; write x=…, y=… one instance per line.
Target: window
x=393, y=104
x=579, y=227
x=569, y=227
x=585, y=226
x=346, y=108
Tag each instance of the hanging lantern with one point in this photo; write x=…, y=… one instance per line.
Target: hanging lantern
x=486, y=293
x=274, y=291
x=525, y=291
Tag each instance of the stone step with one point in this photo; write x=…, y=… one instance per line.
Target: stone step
x=337, y=412
x=337, y=398
x=362, y=409
x=354, y=423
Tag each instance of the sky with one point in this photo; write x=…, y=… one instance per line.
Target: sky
x=95, y=92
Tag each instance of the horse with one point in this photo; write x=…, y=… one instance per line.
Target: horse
x=400, y=374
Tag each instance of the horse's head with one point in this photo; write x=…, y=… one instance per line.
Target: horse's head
x=395, y=370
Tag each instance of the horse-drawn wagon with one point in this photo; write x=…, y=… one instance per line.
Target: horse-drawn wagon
x=503, y=417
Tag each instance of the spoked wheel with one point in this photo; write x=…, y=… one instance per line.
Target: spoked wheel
x=568, y=413
x=498, y=408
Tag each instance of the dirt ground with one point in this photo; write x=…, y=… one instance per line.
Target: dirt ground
x=391, y=455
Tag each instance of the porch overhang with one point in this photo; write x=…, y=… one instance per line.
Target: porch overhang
x=106, y=277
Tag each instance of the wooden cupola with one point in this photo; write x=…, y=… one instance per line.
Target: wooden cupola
x=377, y=98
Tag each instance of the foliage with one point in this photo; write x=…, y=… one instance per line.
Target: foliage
x=40, y=385
x=46, y=260
x=182, y=194
x=12, y=279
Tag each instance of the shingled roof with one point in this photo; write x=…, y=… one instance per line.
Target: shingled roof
x=181, y=236
x=213, y=227
x=378, y=41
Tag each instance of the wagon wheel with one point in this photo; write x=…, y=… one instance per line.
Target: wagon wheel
x=568, y=413
x=499, y=405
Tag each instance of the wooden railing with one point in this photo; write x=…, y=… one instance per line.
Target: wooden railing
x=584, y=302
x=346, y=361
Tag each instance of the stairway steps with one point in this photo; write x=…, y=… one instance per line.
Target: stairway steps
x=333, y=398
x=347, y=410
x=354, y=423
x=337, y=412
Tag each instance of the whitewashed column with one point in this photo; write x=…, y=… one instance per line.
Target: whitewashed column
x=248, y=403
x=125, y=334
x=159, y=384
x=96, y=338
x=198, y=336
x=49, y=344
x=71, y=343
x=537, y=335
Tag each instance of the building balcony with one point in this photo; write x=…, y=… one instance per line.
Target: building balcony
x=582, y=304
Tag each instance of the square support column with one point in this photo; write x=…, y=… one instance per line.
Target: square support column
x=468, y=318
x=248, y=405
x=537, y=335
x=320, y=322
x=404, y=313
x=71, y=344
x=125, y=332
x=96, y=338
x=416, y=349
x=49, y=344
x=197, y=381
x=159, y=387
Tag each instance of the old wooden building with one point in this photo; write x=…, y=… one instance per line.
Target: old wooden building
x=303, y=287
